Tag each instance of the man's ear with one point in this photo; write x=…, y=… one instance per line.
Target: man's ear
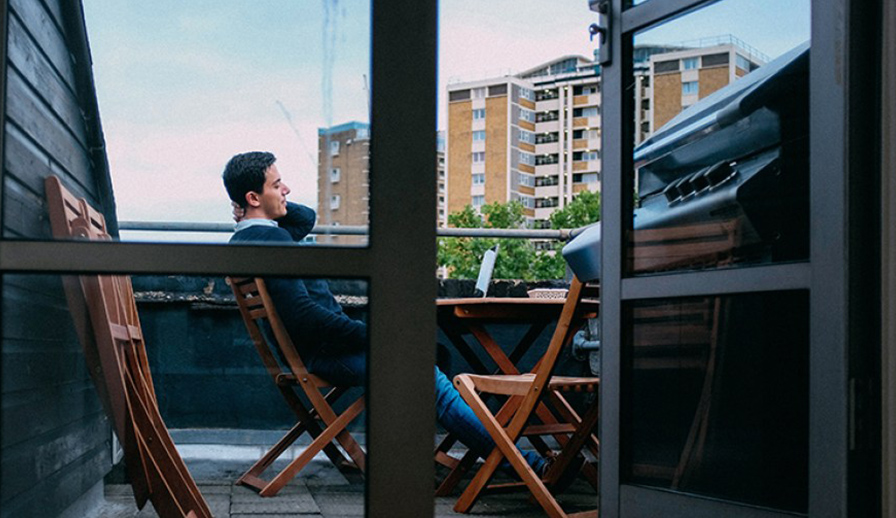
x=253, y=199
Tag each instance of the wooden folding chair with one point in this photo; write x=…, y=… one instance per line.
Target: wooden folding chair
x=525, y=393
x=106, y=320
x=696, y=245
x=683, y=337
x=283, y=362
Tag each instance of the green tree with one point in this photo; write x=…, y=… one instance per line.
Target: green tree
x=517, y=258
x=583, y=210
x=463, y=255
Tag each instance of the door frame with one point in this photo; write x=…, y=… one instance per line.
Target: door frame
x=840, y=285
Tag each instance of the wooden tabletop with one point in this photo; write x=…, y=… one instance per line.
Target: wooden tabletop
x=504, y=308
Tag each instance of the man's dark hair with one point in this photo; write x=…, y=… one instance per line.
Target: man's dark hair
x=245, y=173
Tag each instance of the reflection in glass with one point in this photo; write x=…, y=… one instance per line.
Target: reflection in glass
x=715, y=397
x=721, y=130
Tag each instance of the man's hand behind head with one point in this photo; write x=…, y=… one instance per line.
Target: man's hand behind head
x=238, y=212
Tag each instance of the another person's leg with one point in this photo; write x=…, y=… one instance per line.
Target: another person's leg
x=456, y=416
x=452, y=412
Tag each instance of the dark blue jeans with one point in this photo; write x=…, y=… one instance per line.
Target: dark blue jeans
x=452, y=412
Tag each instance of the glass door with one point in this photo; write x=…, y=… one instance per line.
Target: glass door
x=726, y=361
x=55, y=120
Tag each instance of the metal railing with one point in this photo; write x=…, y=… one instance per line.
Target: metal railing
x=349, y=230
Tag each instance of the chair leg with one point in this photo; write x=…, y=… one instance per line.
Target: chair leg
x=588, y=439
x=351, y=446
x=308, y=417
x=316, y=446
x=505, y=448
x=575, y=443
x=252, y=476
x=454, y=477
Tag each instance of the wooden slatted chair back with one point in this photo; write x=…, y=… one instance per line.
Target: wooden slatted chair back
x=289, y=373
x=580, y=303
x=253, y=300
x=683, y=337
x=686, y=246
x=106, y=319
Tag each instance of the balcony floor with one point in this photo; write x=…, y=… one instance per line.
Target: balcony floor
x=320, y=490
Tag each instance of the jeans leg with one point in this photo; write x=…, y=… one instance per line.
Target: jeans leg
x=456, y=416
x=342, y=369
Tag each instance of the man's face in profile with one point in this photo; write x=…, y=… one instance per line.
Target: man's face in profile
x=273, y=195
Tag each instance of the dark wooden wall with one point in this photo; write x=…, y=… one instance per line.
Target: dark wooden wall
x=56, y=440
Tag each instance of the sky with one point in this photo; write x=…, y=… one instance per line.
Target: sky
x=184, y=85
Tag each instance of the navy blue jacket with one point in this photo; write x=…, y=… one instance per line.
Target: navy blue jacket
x=312, y=316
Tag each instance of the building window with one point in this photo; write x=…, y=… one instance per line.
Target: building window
x=547, y=159
x=546, y=203
x=526, y=93
x=585, y=178
x=547, y=181
x=479, y=114
x=478, y=201
x=478, y=179
x=362, y=133
x=690, y=88
x=714, y=60
x=334, y=201
x=744, y=63
x=584, y=156
x=335, y=175
x=690, y=63
x=478, y=157
x=544, y=95
x=665, y=66
x=527, y=179
x=527, y=158
x=546, y=138
x=585, y=90
x=527, y=201
x=478, y=136
x=334, y=148
x=591, y=111
x=527, y=115
x=527, y=136
x=547, y=116
x=496, y=90
x=460, y=95
x=478, y=93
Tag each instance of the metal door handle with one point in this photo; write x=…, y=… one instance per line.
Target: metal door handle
x=602, y=29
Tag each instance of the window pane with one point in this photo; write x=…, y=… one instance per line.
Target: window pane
x=184, y=86
x=716, y=397
x=207, y=381
x=540, y=84
x=721, y=134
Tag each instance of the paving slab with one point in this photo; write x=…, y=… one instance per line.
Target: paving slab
x=322, y=491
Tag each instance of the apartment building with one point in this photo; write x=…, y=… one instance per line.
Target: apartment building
x=441, y=181
x=533, y=137
x=343, y=179
x=679, y=78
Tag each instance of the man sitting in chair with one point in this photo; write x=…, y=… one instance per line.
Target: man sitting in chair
x=332, y=344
